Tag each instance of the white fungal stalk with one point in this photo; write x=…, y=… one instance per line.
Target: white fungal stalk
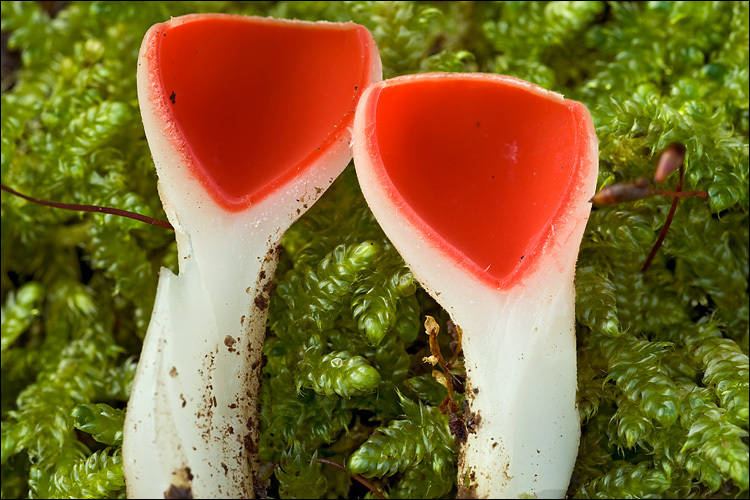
x=482, y=183
x=520, y=358
x=192, y=421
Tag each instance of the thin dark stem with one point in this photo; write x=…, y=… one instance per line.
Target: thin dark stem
x=667, y=223
x=679, y=194
x=92, y=208
x=356, y=477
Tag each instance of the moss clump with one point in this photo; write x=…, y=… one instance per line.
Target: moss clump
x=663, y=356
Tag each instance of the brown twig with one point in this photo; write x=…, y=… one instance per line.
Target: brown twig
x=667, y=223
x=432, y=329
x=91, y=208
x=356, y=477
x=679, y=194
x=638, y=190
x=671, y=159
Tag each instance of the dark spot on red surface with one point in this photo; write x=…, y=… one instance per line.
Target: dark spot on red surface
x=173, y=97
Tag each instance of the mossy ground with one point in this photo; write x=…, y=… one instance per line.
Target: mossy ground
x=663, y=355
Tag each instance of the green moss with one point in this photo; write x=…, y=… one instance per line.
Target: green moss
x=663, y=356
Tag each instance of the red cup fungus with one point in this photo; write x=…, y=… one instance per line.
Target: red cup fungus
x=482, y=183
x=249, y=121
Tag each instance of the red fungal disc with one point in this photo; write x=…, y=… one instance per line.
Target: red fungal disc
x=253, y=101
x=481, y=166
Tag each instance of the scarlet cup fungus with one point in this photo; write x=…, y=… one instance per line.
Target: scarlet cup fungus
x=482, y=183
x=248, y=120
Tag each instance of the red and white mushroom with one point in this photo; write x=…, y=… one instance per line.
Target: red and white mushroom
x=482, y=183
x=249, y=121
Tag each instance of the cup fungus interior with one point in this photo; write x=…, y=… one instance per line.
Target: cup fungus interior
x=483, y=167
x=256, y=100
